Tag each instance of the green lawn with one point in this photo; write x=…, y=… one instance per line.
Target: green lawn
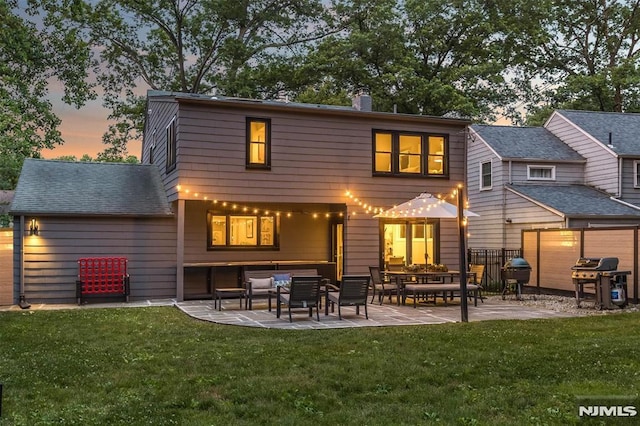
x=157, y=366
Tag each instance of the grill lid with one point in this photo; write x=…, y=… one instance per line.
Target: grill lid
x=517, y=263
x=596, y=263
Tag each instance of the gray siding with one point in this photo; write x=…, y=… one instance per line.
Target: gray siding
x=487, y=230
x=566, y=173
x=601, y=169
x=526, y=215
x=50, y=259
x=315, y=159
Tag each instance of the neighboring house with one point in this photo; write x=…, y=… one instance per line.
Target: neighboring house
x=250, y=184
x=562, y=175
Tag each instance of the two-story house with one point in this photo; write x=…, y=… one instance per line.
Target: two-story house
x=248, y=184
x=578, y=170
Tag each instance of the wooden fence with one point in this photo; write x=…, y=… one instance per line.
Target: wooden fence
x=552, y=252
x=6, y=266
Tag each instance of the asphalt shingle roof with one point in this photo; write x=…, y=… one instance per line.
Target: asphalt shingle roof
x=85, y=188
x=624, y=128
x=576, y=200
x=531, y=143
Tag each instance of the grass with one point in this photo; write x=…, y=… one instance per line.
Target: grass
x=157, y=366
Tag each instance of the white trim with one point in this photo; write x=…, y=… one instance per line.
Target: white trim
x=481, y=175
x=636, y=180
x=537, y=203
x=542, y=167
x=477, y=137
x=578, y=128
x=633, y=206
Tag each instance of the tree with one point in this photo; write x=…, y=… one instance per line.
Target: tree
x=29, y=59
x=589, y=58
x=437, y=57
x=206, y=46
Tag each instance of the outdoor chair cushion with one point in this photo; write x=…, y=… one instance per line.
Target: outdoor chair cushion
x=260, y=283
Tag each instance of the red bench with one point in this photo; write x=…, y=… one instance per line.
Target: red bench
x=102, y=277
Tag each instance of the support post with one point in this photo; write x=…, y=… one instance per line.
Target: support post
x=464, y=314
x=180, y=252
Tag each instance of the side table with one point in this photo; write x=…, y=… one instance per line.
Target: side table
x=227, y=293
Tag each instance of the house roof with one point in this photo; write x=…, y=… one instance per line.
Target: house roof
x=576, y=200
x=623, y=127
x=525, y=143
x=272, y=105
x=84, y=188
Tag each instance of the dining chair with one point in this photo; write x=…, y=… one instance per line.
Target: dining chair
x=381, y=286
x=476, y=278
x=304, y=292
x=353, y=291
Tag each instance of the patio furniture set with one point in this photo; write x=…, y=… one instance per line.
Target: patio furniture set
x=424, y=284
x=304, y=288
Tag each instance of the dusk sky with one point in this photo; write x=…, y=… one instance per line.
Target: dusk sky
x=82, y=130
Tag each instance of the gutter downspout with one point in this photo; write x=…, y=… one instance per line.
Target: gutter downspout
x=22, y=303
x=619, y=176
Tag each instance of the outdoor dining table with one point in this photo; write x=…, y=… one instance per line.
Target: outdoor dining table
x=424, y=277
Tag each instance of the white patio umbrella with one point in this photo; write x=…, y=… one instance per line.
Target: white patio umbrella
x=424, y=206
x=427, y=206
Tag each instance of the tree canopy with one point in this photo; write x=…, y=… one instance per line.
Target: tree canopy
x=30, y=58
x=473, y=58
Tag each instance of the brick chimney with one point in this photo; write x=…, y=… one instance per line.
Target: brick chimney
x=362, y=102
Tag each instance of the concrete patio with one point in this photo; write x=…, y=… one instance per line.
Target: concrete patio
x=379, y=315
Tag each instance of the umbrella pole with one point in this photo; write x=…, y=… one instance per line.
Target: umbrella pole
x=464, y=310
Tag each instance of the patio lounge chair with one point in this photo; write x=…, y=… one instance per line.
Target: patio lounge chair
x=303, y=293
x=353, y=291
x=380, y=286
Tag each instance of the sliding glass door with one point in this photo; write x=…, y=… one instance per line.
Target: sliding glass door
x=406, y=242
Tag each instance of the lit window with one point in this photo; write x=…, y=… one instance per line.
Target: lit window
x=258, y=143
x=409, y=154
x=436, y=155
x=485, y=175
x=171, y=144
x=242, y=231
x=383, y=152
x=541, y=172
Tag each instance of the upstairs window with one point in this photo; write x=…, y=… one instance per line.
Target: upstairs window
x=485, y=176
x=409, y=154
x=171, y=145
x=437, y=146
x=258, y=143
x=636, y=174
x=541, y=172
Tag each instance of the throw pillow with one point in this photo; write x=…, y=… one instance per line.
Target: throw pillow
x=281, y=277
x=281, y=280
x=260, y=283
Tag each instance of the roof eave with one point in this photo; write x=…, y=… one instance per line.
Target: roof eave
x=242, y=104
x=543, y=160
x=85, y=214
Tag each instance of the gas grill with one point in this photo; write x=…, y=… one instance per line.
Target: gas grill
x=610, y=284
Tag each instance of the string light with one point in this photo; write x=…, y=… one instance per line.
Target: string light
x=364, y=206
